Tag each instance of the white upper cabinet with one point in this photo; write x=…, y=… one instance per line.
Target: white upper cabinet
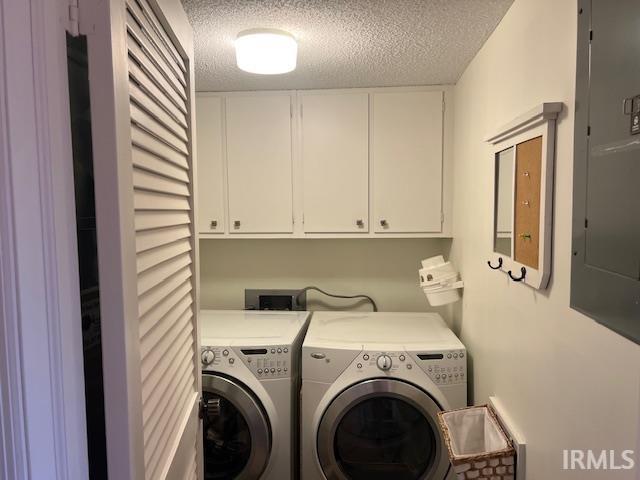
x=407, y=136
x=335, y=162
x=210, y=164
x=259, y=163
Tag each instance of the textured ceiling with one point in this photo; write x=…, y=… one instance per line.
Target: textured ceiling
x=355, y=43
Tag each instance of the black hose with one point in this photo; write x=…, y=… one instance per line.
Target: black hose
x=366, y=297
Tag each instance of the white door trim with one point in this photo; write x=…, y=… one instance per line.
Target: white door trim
x=43, y=427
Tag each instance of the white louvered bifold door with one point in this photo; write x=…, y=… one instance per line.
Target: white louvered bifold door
x=153, y=94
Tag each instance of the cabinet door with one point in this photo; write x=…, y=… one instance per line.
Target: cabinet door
x=335, y=156
x=259, y=163
x=407, y=162
x=210, y=172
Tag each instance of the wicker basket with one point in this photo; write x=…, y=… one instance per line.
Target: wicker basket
x=480, y=449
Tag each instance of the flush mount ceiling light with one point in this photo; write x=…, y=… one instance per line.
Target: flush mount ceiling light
x=266, y=51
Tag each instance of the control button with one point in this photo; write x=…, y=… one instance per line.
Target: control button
x=409, y=366
x=225, y=353
x=232, y=361
x=384, y=362
x=359, y=365
x=285, y=369
x=207, y=356
x=249, y=360
x=450, y=375
x=455, y=355
x=438, y=376
x=462, y=375
x=259, y=371
x=279, y=370
x=273, y=350
x=285, y=350
x=430, y=369
x=456, y=375
x=273, y=370
x=448, y=355
x=279, y=350
x=365, y=357
x=461, y=354
x=402, y=358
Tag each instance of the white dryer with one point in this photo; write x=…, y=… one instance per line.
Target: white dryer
x=250, y=385
x=372, y=384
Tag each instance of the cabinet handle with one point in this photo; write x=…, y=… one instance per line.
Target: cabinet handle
x=526, y=203
x=384, y=223
x=525, y=236
x=360, y=223
x=214, y=224
x=236, y=224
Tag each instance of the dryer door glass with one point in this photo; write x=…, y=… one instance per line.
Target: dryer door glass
x=382, y=429
x=236, y=431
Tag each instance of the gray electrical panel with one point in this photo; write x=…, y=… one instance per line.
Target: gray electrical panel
x=605, y=280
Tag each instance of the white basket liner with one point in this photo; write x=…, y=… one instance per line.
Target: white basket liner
x=474, y=432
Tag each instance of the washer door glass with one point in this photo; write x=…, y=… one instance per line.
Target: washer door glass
x=236, y=433
x=382, y=429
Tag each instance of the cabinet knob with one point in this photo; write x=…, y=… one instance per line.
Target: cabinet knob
x=214, y=224
x=236, y=224
x=384, y=223
x=360, y=223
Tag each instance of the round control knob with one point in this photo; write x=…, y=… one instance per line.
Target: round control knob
x=401, y=357
x=273, y=370
x=384, y=362
x=225, y=353
x=207, y=356
x=365, y=357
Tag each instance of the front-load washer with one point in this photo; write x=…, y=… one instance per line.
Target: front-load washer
x=250, y=388
x=372, y=384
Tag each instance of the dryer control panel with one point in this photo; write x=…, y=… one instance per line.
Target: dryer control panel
x=443, y=367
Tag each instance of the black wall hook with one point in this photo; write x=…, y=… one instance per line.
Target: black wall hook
x=499, y=264
x=523, y=273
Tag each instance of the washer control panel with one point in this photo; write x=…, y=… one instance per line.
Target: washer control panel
x=444, y=367
x=268, y=362
x=264, y=362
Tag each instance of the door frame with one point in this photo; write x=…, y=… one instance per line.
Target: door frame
x=42, y=404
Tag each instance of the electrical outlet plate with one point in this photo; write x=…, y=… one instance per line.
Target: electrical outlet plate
x=269, y=299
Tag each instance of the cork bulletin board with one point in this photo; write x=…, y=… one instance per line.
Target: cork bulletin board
x=526, y=240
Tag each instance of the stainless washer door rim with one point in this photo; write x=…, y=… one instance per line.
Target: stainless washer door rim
x=254, y=415
x=378, y=387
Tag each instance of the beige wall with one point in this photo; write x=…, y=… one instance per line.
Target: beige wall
x=568, y=382
x=385, y=269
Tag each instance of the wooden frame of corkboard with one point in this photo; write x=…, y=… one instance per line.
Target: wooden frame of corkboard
x=532, y=135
